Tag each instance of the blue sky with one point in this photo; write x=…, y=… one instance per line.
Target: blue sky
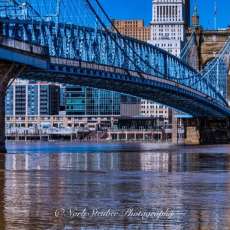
x=127, y=9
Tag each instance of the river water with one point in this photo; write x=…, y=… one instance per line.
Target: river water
x=115, y=186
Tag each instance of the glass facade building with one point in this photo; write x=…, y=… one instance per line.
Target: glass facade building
x=37, y=98
x=31, y=99
x=89, y=101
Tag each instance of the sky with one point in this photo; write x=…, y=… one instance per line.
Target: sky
x=141, y=9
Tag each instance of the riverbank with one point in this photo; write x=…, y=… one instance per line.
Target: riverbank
x=78, y=147
x=25, y=147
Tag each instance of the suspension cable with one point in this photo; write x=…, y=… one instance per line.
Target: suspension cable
x=120, y=35
x=114, y=39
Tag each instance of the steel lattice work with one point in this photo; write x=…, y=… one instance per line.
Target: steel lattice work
x=86, y=37
x=216, y=71
x=189, y=53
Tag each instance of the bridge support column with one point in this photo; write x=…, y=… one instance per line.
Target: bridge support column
x=207, y=131
x=8, y=72
x=2, y=124
x=174, y=129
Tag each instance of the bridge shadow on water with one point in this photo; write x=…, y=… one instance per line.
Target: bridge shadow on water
x=50, y=190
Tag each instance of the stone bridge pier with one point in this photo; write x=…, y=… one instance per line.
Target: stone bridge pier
x=206, y=131
x=8, y=72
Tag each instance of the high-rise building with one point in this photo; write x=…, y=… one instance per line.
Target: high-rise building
x=89, y=101
x=187, y=17
x=28, y=98
x=169, y=22
x=137, y=30
x=170, y=18
x=133, y=28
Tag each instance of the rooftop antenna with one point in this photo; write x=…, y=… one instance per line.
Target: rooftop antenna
x=215, y=15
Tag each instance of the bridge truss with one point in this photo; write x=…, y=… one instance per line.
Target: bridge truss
x=81, y=30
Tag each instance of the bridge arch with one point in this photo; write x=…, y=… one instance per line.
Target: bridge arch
x=164, y=91
x=174, y=90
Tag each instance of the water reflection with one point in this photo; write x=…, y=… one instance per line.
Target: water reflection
x=195, y=185
x=161, y=161
x=2, y=184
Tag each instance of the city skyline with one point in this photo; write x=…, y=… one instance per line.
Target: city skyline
x=136, y=9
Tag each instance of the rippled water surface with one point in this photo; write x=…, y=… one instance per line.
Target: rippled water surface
x=115, y=186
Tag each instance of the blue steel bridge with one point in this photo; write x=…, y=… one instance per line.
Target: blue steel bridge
x=56, y=45
x=85, y=52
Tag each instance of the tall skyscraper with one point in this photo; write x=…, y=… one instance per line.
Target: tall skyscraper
x=187, y=13
x=169, y=22
x=170, y=18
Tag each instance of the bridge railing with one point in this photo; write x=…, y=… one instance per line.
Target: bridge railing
x=23, y=46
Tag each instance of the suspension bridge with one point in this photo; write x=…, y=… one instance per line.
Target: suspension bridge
x=74, y=42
